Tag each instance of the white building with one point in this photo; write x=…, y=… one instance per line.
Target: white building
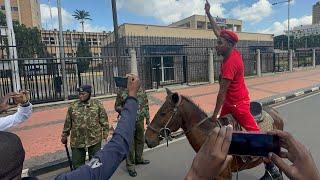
x=305, y=30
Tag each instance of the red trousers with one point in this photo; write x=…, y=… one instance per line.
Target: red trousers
x=241, y=112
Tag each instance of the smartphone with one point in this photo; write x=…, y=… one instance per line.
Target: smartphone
x=121, y=82
x=254, y=144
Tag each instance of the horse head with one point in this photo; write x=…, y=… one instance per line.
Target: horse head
x=167, y=120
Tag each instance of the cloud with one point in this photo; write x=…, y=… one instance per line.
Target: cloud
x=254, y=13
x=278, y=28
x=88, y=27
x=46, y=20
x=169, y=11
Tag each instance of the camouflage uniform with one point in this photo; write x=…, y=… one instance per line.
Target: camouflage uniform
x=136, y=149
x=88, y=123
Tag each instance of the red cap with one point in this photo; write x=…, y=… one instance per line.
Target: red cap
x=229, y=35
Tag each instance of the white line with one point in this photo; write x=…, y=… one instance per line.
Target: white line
x=300, y=99
x=315, y=89
x=299, y=93
x=164, y=144
x=279, y=99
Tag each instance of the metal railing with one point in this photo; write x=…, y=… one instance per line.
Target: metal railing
x=161, y=61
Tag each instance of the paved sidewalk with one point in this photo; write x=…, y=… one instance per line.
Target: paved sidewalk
x=41, y=133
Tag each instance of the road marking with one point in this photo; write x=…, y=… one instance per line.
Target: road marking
x=299, y=93
x=279, y=99
x=300, y=99
x=315, y=89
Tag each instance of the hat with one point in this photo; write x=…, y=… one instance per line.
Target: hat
x=229, y=35
x=85, y=88
x=11, y=155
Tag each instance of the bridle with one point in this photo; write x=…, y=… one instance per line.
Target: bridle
x=165, y=132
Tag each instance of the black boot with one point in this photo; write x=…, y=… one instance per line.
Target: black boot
x=132, y=173
x=271, y=173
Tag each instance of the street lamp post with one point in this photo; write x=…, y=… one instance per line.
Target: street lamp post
x=115, y=27
x=287, y=1
x=12, y=48
x=61, y=50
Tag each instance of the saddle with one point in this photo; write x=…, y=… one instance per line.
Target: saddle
x=263, y=119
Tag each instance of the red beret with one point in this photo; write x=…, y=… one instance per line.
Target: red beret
x=229, y=35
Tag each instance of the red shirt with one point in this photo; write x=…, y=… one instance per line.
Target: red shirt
x=232, y=69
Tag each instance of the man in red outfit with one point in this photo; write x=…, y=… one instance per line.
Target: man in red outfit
x=233, y=94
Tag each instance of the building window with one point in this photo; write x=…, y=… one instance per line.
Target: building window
x=200, y=25
x=48, y=40
x=68, y=41
x=94, y=42
x=3, y=8
x=14, y=9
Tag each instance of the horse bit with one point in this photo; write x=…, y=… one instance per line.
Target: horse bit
x=165, y=132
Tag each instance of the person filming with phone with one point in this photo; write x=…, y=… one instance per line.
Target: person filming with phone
x=135, y=156
x=24, y=111
x=213, y=156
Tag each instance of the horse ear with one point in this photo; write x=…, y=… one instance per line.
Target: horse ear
x=168, y=92
x=175, y=98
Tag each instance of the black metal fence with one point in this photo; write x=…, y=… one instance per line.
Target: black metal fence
x=161, y=61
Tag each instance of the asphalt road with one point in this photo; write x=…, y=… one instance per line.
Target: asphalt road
x=302, y=119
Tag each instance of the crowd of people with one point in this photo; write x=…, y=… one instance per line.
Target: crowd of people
x=87, y=125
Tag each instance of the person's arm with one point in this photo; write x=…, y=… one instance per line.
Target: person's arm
x=103, y=120
x=106, y=161
x=119, y=102
x=23, y=113
x=67, y=125
x=216, y=29
x=224, y=85
x=303, y=165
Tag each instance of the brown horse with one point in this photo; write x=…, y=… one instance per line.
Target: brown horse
x=180, y=112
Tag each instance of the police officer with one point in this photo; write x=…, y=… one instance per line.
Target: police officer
x=136, y=150
x=87, y=121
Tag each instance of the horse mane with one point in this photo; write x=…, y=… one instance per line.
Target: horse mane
x=197, y=107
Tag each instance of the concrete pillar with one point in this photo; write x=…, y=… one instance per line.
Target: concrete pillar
x=258, y=63
x=290, y=60
x=211, y=67
x=314, y=58
x=133, y=58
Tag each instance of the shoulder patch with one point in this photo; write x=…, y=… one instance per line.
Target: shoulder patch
x=94, y=163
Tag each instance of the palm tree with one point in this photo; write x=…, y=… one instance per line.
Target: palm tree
x=81, y=15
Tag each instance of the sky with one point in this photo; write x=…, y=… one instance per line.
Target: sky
x=257, y=15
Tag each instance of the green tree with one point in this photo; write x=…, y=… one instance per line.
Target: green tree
x=84, y=57
x=3, y=21
x=28, y=40
x=82, y=16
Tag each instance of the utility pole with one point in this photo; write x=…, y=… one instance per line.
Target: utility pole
x=12, y=48
x=289, y=24
x=287, y=1
x=61, y=50
x=116, y=35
